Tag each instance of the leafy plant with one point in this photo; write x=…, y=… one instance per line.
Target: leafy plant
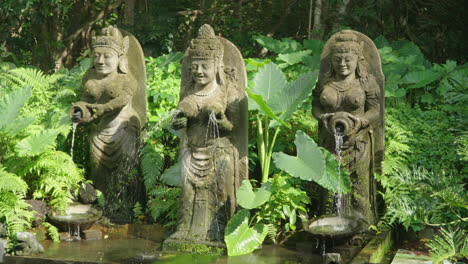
x=28, y=154
x=52, y=231
x=313, y=164
x=276, y=206
x=240, y=238
x=451, y=244
x=417, y=197
x=13, y=209
x=276, y=100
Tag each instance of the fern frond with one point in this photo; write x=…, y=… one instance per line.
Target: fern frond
x=56, y=175
x=10, y=182
x=452, y=244
x=52, y=231
x=37, y=143
x=272, y=232
x=152, y=163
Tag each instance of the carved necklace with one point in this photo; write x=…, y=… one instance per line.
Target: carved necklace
x=342, y=85
x=201, y=93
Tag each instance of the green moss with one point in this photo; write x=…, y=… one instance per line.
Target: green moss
x=196, y=248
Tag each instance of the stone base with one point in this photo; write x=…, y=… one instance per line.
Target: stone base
x=92, y=234
x=209, y=248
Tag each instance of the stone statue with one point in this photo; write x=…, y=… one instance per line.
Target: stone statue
x=113, y=103
x=348, y=101
x=212, y=114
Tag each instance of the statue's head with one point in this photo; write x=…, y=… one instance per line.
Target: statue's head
x=346, y=56
x=206, y=57
x=109, y=51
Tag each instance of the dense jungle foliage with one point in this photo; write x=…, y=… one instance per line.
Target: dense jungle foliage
x=43, y=56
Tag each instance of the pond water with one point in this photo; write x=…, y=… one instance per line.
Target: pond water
x=129, y=249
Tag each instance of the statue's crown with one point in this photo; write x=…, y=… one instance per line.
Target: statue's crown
x=346, y=42
x=111, y=38
x=206, y=45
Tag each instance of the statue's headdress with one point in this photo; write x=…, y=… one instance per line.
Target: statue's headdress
x=112, y=38
x=206, y=45
x=346, y=42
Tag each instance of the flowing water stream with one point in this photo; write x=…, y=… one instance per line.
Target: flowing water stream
x=339, y=198
x=75, y=124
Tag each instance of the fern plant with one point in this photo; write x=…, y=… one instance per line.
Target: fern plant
x=28, y=146
x=13, y=209
x=451, y=244
x=417, y=197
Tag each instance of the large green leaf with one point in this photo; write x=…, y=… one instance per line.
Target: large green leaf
x=263, y=106
x=239, y=237
x=313, y=164
x=249, y=199
x=294, y=94
x=19, y=125
x=11, y=104
x=269, y=81
x=308, y=164
x=172, y=176
x=294, y=57
x=38, y=143
x=421, y=78
x=335, y=180
x=314, y=45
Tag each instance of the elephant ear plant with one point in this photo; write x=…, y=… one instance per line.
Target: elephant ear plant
x=276, y=100
x=277, y=203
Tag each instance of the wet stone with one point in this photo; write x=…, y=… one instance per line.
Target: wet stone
x=333, y=258
x=87, y=194
x=91, y=234
x=411, y=257
x=40, y=210
x=64, y=236
x=28, y=244
x=3, y=246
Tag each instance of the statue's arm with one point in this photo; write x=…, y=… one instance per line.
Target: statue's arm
x=118, y=102
x=317, y=110
x=230, y=117
x=372, y=106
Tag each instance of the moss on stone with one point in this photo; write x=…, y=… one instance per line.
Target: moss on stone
x=196, y=248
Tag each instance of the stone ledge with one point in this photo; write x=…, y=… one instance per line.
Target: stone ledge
x=374, y=252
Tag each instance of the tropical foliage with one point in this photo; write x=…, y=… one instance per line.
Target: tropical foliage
x=31, y=165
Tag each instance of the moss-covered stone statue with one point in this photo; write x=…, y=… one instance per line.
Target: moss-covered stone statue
x=212, y=113
x=113, y=103
x=349, y=104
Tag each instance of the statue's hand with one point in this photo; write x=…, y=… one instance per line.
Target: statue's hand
x=97, y=110
x=325, y=118
x=223, y=122
x=179, y=121
x=359, y=122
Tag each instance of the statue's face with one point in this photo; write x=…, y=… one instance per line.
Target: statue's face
x=344, y=63
x=106, y=60
x=203, y=71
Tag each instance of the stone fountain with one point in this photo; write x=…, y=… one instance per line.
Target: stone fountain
x=348, y=102
x=75, y=220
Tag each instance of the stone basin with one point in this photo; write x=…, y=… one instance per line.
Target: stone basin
x=333, y=226
x=82, y=216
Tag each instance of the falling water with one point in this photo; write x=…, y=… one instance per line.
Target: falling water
x=339, y=198
x=324, y=250
x=212, y=132
x=75, y=124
